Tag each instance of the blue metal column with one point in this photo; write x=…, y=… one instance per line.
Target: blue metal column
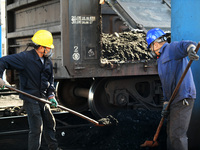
x=185, y=25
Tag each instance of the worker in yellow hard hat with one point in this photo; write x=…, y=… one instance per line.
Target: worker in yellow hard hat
x=36, y=78
x=44, y=40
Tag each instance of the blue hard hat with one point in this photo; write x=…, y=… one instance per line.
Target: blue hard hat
x=153, y=34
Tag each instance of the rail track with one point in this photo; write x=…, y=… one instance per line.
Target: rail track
x=7, y=92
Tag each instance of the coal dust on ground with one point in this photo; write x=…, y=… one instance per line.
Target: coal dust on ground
x=133, y=129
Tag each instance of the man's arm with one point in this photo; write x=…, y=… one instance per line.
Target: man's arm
x=14, y=61
x=180, y=49
x=51, y=89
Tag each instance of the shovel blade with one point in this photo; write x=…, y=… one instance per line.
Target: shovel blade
x=149, y=144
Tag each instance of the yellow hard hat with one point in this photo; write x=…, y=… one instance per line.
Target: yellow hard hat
x=43, y=38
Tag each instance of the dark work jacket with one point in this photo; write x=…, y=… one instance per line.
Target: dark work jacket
x=35, y=78
x=171, y=65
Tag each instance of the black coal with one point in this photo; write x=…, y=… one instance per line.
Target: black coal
x=125, y=47
x=133, y=129
x=108, y=120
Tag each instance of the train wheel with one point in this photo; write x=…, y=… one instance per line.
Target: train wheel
x=98, y=100
x=65, y=93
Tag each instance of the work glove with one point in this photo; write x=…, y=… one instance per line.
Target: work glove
x=192, y=54
x=2, y=84
x=53, y=101
x=164, y=112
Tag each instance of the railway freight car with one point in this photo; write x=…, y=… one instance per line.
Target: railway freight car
x=94, y=67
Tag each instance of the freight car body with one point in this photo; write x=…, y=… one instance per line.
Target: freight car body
x=84, y=82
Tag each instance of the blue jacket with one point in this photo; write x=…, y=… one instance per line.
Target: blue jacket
x=35, y=78
x=171, y=65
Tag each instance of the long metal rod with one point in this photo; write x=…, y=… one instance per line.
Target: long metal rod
x=59, y=106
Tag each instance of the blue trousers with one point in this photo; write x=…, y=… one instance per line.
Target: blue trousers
x=177, y=125
x=41, y=120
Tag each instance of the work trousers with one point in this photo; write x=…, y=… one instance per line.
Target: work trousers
x=178, y=123
x=41, y=120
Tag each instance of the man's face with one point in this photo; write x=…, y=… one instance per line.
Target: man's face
x=47, y=51
x=155, y=48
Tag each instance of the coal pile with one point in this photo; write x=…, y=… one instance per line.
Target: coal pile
x=133, y=129
x=125, y=47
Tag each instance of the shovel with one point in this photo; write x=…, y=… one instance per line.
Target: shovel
x=154, y=143
x=109, y=120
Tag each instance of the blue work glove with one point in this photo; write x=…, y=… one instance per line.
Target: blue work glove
x=2, y=84
x=192, y=54
x=164, y=112
x=53, y=101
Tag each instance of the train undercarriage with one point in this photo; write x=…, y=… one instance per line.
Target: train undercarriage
x=104, y=96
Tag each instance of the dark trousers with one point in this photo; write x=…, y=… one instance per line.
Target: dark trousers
x=41, y=120
x=177, y=125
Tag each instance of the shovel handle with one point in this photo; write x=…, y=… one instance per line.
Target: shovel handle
x=174, y=93
x=59, y=106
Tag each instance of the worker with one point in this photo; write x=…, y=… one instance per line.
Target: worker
x=172, y=61
x=36, y=78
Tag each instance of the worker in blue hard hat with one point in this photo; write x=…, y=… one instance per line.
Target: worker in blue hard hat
x=172, y=61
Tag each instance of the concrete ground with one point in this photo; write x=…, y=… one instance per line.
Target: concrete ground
x=10, y=100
